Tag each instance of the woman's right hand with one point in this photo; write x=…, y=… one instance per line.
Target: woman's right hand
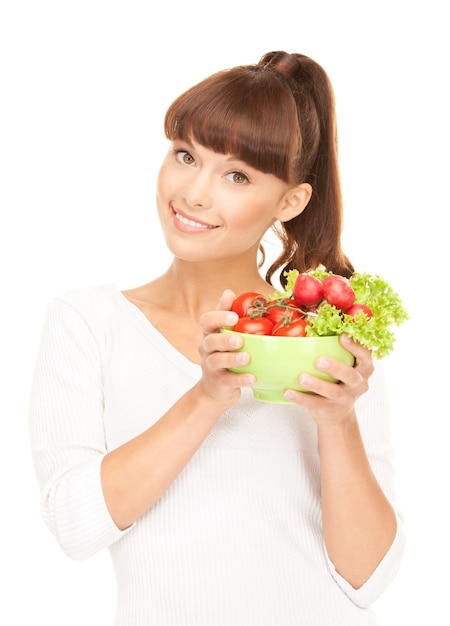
x=218, y=353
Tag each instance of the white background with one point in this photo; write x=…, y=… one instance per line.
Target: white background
x=84, y=87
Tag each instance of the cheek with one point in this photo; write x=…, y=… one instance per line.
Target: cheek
x=164, y=186
x=250, y=225
x=161, y=181
x=256, y=216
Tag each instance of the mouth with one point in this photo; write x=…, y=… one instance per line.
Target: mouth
x=190, y=223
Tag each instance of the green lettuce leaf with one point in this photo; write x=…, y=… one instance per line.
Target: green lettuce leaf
x=376, y=333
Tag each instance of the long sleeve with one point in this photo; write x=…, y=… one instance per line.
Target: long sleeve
x=241, y=521
x=374, y=421
x=67, y=434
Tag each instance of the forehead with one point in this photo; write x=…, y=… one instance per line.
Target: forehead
x=250, y=116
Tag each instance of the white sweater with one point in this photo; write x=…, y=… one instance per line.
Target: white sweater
x=237, y=539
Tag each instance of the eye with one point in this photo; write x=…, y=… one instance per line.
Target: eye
x=184, y=157
x=239, y=178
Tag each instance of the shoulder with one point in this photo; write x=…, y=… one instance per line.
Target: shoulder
x=90, y=297
x=92, y=306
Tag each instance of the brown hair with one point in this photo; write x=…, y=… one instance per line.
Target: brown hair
x=279, y=117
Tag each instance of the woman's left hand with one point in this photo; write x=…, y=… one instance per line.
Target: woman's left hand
x=334, y=403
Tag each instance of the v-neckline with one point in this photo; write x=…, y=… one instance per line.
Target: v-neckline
x=148, y=329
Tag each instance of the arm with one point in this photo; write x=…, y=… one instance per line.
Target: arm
x=90, y=494
x=359, y=522
x=135, y=475
x=67, y=435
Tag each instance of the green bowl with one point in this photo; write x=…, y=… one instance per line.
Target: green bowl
x=277, y=362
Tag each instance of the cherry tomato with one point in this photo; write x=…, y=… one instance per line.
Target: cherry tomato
x=246, y=301
x=286, y=312
x=307, y=290
x=254, y=326
x=297, y=328
x=338, y=291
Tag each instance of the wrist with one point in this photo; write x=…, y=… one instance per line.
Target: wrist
x=211, y=404
x=341, y=427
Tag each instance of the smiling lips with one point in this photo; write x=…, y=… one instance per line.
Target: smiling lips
x=190, y=224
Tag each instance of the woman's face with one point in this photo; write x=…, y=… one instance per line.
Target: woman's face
x=213, y=205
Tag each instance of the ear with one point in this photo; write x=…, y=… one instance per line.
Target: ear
x=294, y=201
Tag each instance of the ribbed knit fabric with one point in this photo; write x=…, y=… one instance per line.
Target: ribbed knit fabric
x=236, y=540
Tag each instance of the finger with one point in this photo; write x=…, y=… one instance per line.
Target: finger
x=353, y=347
x=338, y=370
x=225, y=360
x=226, y=300
x=321, y=388
x=363, y=356
x=220, y=342
x=213, y=320
x=222, y=316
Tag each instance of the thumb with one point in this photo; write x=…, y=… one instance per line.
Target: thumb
x=226, y=300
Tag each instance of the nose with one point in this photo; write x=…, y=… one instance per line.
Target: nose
x=198, y=189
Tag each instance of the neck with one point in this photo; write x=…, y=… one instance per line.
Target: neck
x=226, y=274
x=197, y=287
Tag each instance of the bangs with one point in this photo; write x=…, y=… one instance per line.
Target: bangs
x=244, y=113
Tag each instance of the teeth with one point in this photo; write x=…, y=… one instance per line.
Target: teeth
x=184, y=220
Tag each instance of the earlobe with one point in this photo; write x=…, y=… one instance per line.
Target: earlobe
x=294, y=202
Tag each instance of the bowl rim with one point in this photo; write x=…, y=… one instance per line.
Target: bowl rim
x=283, y=337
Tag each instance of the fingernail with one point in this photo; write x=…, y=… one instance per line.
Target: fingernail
x=305, y=380
x=323, y=364
x=231, y=318
x=289, y=394
x=242, y=357
x=235, y=341
x=249, y=380
x=346, y=338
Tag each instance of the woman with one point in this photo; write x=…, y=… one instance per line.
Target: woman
x=218, y=508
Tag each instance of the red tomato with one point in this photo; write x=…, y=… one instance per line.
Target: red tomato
x=286, y=312
x=246, y=301
x=338, y=291
x=254, y=326
x=307, y=290
x=297, y=328
x=356, y=308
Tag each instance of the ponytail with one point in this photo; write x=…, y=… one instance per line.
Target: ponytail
x=314, y=237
